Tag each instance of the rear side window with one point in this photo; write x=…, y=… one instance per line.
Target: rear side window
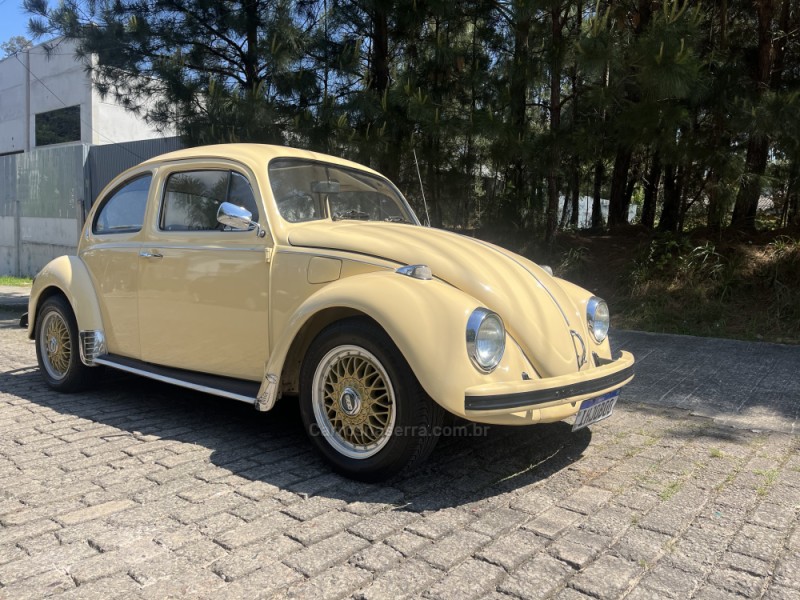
x=192, y=198
x=123, y=211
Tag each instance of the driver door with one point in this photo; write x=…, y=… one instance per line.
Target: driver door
x=203, y=287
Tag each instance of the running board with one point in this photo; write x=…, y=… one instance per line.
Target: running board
x=227, y=387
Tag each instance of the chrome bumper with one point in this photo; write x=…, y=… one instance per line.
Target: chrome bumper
x=504, y=398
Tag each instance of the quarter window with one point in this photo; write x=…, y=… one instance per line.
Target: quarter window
x=192, y=198
x=123, y=211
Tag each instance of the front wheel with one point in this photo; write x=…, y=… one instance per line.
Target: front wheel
x=57, y=349
x=361, y=404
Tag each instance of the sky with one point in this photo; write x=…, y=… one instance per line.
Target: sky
x=13, y=20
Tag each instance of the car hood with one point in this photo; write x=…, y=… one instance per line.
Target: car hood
x=536, y=310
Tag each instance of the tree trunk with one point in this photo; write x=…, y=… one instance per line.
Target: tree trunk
x=518, y=103
x=670, y=213
x=651, y=191
x=251, y=58
x=555, y=124
x=793, y=193
x=576, y=193
x=632, y=180
x=597, y=205
x=744, y=211
x=617, y=212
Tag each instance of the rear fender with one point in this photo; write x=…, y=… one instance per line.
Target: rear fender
x=69, y=276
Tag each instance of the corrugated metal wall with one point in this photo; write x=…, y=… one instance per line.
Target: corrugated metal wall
x=47, y=182
x=44, y=195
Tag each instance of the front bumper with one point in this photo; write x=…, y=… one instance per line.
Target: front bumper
x=516, y=397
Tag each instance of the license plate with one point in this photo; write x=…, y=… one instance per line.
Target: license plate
x=595, y=410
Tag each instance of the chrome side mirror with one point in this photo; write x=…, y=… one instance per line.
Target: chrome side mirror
x=238, y=218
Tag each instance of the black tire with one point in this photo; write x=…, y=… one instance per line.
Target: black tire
x=398, y=443
x=57, y=347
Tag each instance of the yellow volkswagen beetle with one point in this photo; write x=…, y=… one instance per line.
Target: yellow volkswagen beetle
x=252, y=272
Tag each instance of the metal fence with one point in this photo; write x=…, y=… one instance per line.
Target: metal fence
x=44, y=195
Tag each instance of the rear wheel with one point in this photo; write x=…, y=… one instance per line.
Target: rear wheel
x=57, y=347
x=362, y=406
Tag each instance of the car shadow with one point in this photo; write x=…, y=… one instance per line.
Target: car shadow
x=470, y=463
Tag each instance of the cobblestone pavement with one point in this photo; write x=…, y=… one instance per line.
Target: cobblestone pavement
x=142, y=490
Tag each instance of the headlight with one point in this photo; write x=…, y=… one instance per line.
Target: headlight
x=486, y=339
x=597, y=317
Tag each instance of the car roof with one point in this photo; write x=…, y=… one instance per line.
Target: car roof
x=251, y=154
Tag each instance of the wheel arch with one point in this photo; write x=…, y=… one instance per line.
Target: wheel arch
x=290, y=374
x=426, y=320
x=68, y=276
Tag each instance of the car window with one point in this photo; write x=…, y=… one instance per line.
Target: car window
x=192, y=198
x=309, y=190
x=123, y=210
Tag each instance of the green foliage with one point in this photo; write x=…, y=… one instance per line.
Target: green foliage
x=505, y=104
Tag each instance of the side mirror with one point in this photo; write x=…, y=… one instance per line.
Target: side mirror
x=238, y=218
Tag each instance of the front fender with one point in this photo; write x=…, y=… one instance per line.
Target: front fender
x=69, y=275
x=425, y=319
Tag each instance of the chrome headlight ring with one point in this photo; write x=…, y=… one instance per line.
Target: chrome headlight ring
x=597, y=317
x=486, y=339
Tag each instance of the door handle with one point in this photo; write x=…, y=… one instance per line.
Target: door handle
x=148, y=254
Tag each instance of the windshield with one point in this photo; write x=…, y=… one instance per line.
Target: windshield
x=306, y=190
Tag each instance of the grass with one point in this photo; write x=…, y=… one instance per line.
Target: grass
x=15, y=281
x=716, y=453
x=726, y=284
x=670, y=491
x=769, y=475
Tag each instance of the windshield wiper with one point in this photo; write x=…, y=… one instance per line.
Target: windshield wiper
x=396, y=219
x=351, y=214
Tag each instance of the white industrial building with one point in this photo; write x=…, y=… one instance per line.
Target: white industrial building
x=41, y=90
x=60, y=143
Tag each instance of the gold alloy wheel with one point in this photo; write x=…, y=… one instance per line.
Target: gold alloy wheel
x=55, y=345
x=353, y=401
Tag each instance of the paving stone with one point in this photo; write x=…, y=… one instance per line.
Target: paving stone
x=552, y=522
x=778, y=592
x=332, y=584
x=642, y=545
x=787, y=572
x=376, y=558
x=611, y=521
x=407, y=543
x=539, y=578
x=510, y=550
x=218, y=492
x=577, y=548
x=315, y=559
x=269, y=581
x=401, y=582
x=451, y=550
x=247, y=560
x=249, y=533
x=668, y=582
x=586, y=500
x=471, y=579
x=498, y=521
x=108, y=563
x=323, y=526
x=439, y=524
x=737, y=582
x=98, y=511
x=57, y=557
x=773, y=516
x=49, y=583
x=378, y=526
x=758, y=542
x=608, y=577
